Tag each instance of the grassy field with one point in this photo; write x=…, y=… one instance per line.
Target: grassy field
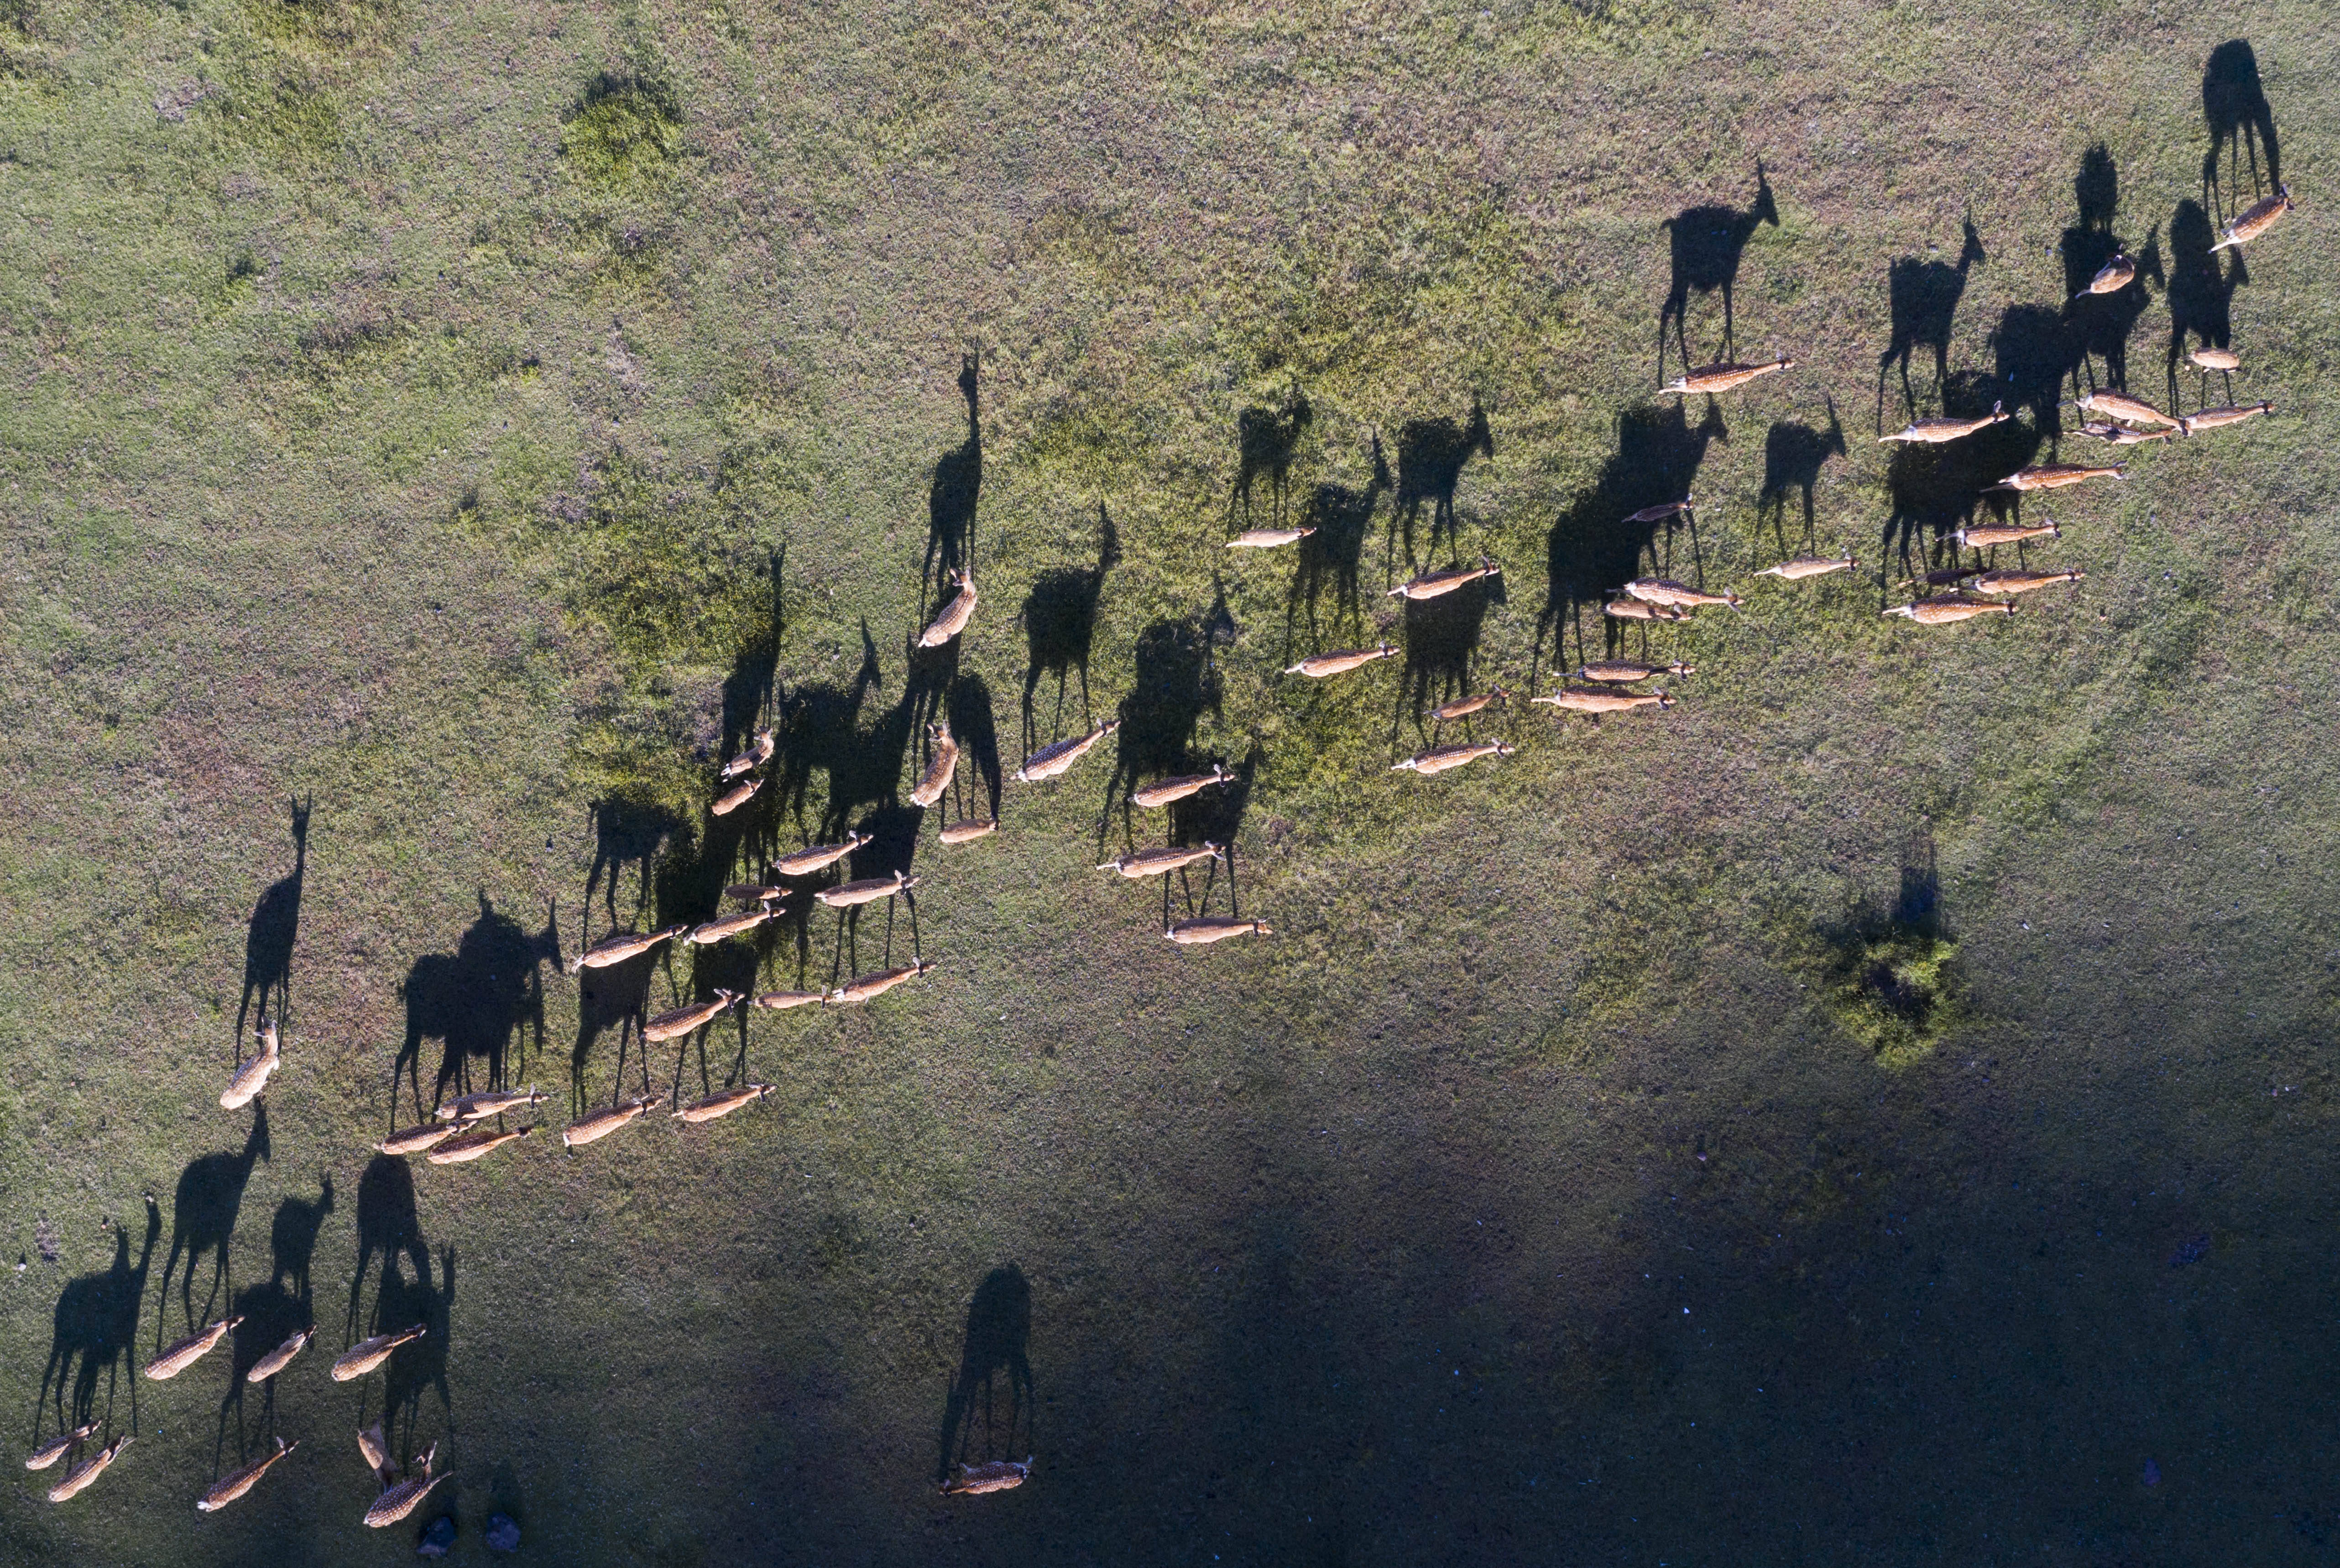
x=1875, y=1111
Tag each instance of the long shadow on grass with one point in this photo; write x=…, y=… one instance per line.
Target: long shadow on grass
x=1442, y=648
x=994, y=1369
x=388, y=1225
x=269, y=939
x=1794, y=453
x=1177, y=682
x=1707, y=245
x=1595, y=547
x=1431, y=456
x=1266, y=439
x=2201, y=296
x=272, y=1313
x=748, y=690
x=2101, y=324
x=2241, y=122
x=205, y=1209
x=1059, y=619
x=477, y=1002
x=1330, y=557
x=1924, y=296
x=93, y=1331
x=1937, y=489
x=951, y=498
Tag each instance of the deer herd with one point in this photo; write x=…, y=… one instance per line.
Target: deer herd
x=471, y=1127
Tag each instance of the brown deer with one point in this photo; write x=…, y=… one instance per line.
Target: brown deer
x=414, y=1140
x=1631, y=609
x=1208, y=928
x=236, y=1485
x=2022, y=582
x=489, y=1103
x=722, y=1104
x=820, y=857
x=2121, y=406
x=755, y=757
x=680, y=1021
x=78, y=1479
x=1173, y=789
x=1720, y=377
x=601, y=1124
x=1439, y=758
x=1267, y=538
x=1598, y=700
x=1437, y=584
x=936, y=780
x=995, y=1475
x=58, y=1447
x=190, y=1350
x=472, y=1145
x=1986, y=536
x=1678, y=595
x=2256, y=219
x=867, y=890
x=864, y=987
x=2112, y=277
x=967, y=829
x=1949, y=609
x=2215, y=418
x=399, y=1501
x=781, y=1001
x=1624, y=672
x=1936, y=432
x=253, y=1076
x=368, y=1353
x=1050, y=761
x=278, y=1359
x=1161, y=862
x=1316, y=667
x=1804, y=566
x=2056, y=475
x=738, y=795
x=955, y=614
x=729, y=925
x=616, y=949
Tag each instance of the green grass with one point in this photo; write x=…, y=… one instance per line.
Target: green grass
x=475, y=423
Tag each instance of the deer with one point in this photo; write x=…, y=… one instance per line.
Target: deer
x=754, y=892
x=1939, y=431
x=1949, y=609
x=79, y=1478
x=955, y=614
x=936, y=780
x=1436, y=584
x=1707, y=243
x=253, y=1076
x=1050, y=761
x=867, y=890
x=237, y=1483
x=2210, y=359
x=190, y=1350
x=1317, y=667
x=2056, y=475
x=399, y=1501
x=722, y=1104
x=1161, y=862
x=864, y=987
x=489, y=1103
x=1625, y=671
x=1439, y=758
x=2123, y=435
x=2256, y=219
x=1631, y=609
x=1804, y=566
x=967, y=829
x=375, y=1448
x=368, y=1353
x=1174, y=790
x=2022, y=582
x=758, y=753
x=470, y=1145
x=1464, y=707
x=2217, y=418
x=1268, y=538
x=713, y=932
x=1679, y=595
x=616, y=949
x=1597, y=700
x=819, y=857
x=278, y=1359
x=2111, y=278
x=1988, y=535
x=781, y=1001
x=1664, y=511
x=1721, y=378
x=1207, y=929
x=601, y=1124
x=2124, y=408
x=414, y=1140
x=738, y=795
x=995, y=1475
x=680, y=1021
x=58, y=1447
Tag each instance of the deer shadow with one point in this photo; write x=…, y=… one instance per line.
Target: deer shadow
x=823, y=731
x=2100, y=324
x=203, y=1212
x=1794, y=453
x=976, y=727
x=476, y=1002
x=951, y=498
x=387, y=1225
x=1215, y=816
x=1431, y=456
x=1924, y=296
x=1442, y=642
x=419, y=1366
x=625, y=832
x=2201, y=292
x=271, y=1314
x=275, y=925
x=1267, y=440
x=93, y=1329
x=998, y=1344
x=747, y=689
x=1175, y=683
x=1595, y=546
x=1331, y=556
x=1936, y=489
x=2235, y=103
x=1708, y=243
x=1059, y=619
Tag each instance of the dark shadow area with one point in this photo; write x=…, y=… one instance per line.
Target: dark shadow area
x=893, y=844
x=820, y=732
x=1707, y=244
x=2242, y=124
x=1177, y=682
x=476, y=1001
x=387, y=1225
x=616, y=996
x=998, y=1333
x=268, y=942
x=1431, y=455
x=1059, y=619
x=951, y=499
x=271, y=1314
x=1891, y=970
x=1442, y=644
x=292, y=1238
x=1331, y=556
x=2100, y=324
x=1794, y=455
x=93, y=1331
x=419, y=1366
x=2201, y=291
x=203, y=1211
x=1924, y=296
x=625, y=832
x=976, y=727
x=1594, y=547
x=747, y=689
x=1215, y=816
x=1265, y=440
x=1936, y=489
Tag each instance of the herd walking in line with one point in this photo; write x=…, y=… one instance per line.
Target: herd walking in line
x=475, y=1126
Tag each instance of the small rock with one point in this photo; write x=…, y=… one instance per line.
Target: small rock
x=503, y=1535
x=2152, y=1474
x=437, y=1539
